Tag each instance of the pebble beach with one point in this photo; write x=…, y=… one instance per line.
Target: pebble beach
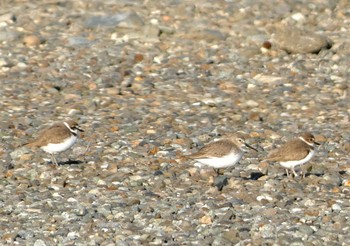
x=153, y=81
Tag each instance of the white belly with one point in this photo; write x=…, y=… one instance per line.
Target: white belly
x=54, y=148
x=226, y=161
x=292, y=164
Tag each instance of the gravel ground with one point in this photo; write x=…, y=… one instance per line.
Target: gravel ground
x=152, y=81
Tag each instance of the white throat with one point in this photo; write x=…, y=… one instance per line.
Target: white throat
x=75, y=131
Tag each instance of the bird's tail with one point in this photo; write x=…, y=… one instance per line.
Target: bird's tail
x=29, y=145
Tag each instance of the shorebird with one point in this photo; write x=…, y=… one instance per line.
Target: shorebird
x=57, y=138
x=225, y=152
x=295, y=152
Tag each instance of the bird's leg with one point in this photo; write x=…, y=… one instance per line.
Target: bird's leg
x=287, y=172
x=53, y=159
x=217, y=170
x=295, y=174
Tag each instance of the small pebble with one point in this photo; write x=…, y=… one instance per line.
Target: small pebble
x=31, y=40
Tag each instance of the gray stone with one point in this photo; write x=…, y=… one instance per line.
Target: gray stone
x=125, y=20
x=220, y=182
x=80, y=41
x=231, y=236
x=9, y=36
x=294, y=40
x=8, y=17
x=305, y=229
x=39, y=242
x=268, y=231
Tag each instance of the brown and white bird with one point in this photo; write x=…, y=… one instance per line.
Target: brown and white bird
x=57, y=138
x=223, y=153
x=295, y=152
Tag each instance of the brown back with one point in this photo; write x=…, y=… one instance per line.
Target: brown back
x=293, y=150
x=215, y=149
x=54, y=134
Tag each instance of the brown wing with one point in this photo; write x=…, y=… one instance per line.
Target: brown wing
x=54, y=134
x=214, y=149
x=293, y=150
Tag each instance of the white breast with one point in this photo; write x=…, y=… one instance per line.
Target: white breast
x=290, y=164
x=54, y=148
x=220, y=162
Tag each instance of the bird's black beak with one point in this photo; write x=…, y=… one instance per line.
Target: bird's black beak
x=250, y=147
x=79, y=129
x=317, y=143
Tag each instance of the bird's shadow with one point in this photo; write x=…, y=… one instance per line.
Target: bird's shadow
x=69, y=162
x=254, y=176
x=312, y=174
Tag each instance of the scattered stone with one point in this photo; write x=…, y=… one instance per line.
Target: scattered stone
x=39, y=242
x=8, y=35
x=267, y=231
x=232, y=236
x=79, y=41
x=9, y=18
x=206, y=219
x=125, y=20
x=220, y=182
x=31, y=40
x=294, y=40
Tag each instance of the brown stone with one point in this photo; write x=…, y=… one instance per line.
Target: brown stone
x=206, y=219
x=31, y=40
